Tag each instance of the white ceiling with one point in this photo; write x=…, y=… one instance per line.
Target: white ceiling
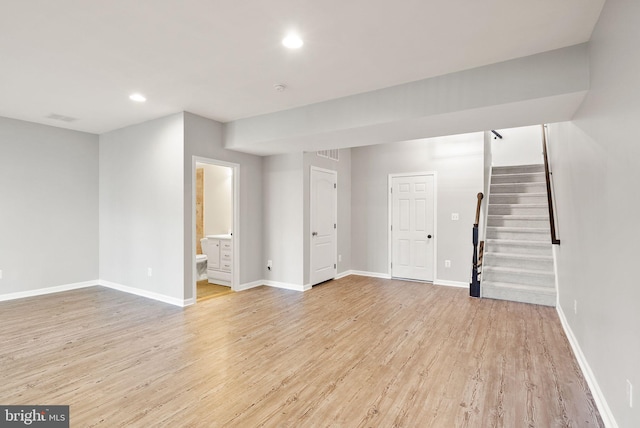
x=221, y=58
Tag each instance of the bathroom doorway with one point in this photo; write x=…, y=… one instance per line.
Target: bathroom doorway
x=215, y=228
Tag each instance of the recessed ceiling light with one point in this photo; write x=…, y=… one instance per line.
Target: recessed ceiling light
x=292, y=41
x=139, y=98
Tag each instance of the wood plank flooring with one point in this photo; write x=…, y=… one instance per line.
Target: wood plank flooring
x=205, y=290
x=357, y=352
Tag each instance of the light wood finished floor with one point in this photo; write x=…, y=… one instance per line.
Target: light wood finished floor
x=205, y=290
x=357, y=352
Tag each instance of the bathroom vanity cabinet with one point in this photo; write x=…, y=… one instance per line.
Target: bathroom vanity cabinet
x=219, y=259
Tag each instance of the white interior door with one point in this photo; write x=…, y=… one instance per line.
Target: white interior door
x=412, y=227
x=323, y=225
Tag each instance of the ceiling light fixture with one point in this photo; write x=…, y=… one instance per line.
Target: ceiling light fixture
x=139, y=98
x=292, y=41
x=280, y=87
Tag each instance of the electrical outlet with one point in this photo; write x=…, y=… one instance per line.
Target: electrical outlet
x=630, y=393
x=269, y=264
x=447, y=263
x=455, y=216
x=339, y=257
x=149, y=272
x=575, y=307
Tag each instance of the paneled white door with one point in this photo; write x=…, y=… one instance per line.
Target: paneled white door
x=323, y=225
x=412, y=227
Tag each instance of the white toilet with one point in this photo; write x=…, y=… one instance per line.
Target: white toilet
x=201, y=261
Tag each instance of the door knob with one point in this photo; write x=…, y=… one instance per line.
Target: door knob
x=314, y=233
x=429, y=236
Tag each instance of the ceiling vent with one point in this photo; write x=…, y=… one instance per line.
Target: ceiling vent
x=62, y=118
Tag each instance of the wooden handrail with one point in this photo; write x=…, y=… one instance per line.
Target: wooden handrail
x=480, y=196
x=552, y=221
x=474, y=286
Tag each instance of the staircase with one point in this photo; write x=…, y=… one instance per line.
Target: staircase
x=518, y=260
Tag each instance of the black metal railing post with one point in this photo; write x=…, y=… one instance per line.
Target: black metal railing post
x=474, y=287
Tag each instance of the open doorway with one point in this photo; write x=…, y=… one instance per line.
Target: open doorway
x=215, y=231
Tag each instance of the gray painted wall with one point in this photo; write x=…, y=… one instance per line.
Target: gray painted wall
x=343, y=167
x=49, y=208
x=518, y=146
x=458, y=161
x=203, y=137
x=283, y=218
x=595, y=164
x=141, y=209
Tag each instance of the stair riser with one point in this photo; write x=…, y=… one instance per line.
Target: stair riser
x=518, y=188
x=518, y=236
x=521, y=169
x=518, y=249
x=515, y=178
x=528, y=264
x=518, y=296
x=507, y=222
x=518, y=278
x=521, y=198
x=517, y=210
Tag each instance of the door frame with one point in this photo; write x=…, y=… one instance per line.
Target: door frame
x=311, y=218
x=235, y=229
x=390, y=178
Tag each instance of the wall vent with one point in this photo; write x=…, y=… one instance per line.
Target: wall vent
x=61, y=117
x=330, y=154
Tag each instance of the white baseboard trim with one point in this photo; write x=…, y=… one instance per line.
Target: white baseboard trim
x=287, y=286
x=387, y=276
x=145, y=293
x=343, y=274
x=47, y=290
x=189, y=302
x=598, y=396
x=448, y=283
x=249, y=285
x=555, y=273
x=370, y=274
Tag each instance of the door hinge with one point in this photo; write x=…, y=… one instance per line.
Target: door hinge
x=391, y=189
x=335, y=266
x=392, y=228
x=391, y=265
x=335, y=185
x=335, y=226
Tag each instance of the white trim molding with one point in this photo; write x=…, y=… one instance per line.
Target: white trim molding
x=598, y=396
x=287, y=286
x=145, y=293
x=48, y=290
x=250, y=285
x=447, y=283
x=343, y=274
x=370, y=274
